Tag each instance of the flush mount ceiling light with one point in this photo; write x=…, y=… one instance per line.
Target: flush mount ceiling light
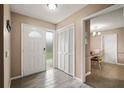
x=52, y=6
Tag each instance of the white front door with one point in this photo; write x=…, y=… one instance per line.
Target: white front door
x=33, y=52
x=110, y=48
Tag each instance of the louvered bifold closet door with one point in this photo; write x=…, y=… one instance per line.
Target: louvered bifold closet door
x=71, y=51
x=61, y=37
x=66, y=50
x=59, y=49
x=62, y=44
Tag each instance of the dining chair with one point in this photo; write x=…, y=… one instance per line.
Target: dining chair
x=98, y=58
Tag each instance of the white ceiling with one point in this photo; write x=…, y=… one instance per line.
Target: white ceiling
x=41, y=11
x=111, y=20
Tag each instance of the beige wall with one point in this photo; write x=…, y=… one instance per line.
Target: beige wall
x=17, y=19
x=76, y=20
x=96, y=42
x=7, y=48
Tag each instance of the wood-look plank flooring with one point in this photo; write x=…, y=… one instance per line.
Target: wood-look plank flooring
x=50, y=79
x=110, y=76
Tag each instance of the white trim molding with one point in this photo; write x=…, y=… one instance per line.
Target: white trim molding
x=16, y=77
x=78, y=79
x=88, y=73
x=10, y=83
x=120, y=64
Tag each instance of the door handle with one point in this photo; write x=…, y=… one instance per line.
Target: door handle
x=44, y=49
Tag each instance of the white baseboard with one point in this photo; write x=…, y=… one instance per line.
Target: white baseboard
x=78, y=79
x=16, y=77
x=65, y=72
x=10, y=83
x=120, y=64
x=88, y=73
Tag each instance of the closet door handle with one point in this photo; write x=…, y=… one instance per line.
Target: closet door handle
x=6, y=54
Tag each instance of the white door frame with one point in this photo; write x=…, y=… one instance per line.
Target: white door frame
x=47, y=30
x=101, y=12
x=74, y=44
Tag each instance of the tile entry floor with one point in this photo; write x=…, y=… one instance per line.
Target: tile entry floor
x=50, y=79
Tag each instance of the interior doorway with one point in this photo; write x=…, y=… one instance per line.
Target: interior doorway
x=49, y=50
x=102, y=41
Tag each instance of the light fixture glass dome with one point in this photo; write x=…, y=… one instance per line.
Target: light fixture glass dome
x=99, y=33
x=52, y=6
x=94, y=33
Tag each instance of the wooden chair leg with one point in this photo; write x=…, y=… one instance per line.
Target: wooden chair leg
x=100, y=67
